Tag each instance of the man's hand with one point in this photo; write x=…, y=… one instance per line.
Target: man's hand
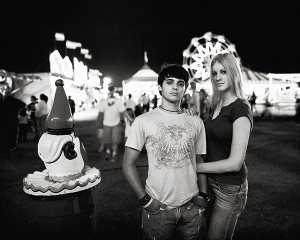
x=199, y=201
x=155, y=206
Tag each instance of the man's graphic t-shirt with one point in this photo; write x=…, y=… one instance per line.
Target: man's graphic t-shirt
x=172, y=142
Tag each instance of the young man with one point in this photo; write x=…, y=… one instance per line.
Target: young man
x=111, y=113
x=174, y=142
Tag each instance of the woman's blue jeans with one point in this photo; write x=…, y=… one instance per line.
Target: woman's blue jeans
x=229, y=202
x=179, y=222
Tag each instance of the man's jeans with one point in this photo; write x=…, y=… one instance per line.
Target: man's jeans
x=181, y=222
x=229, y=202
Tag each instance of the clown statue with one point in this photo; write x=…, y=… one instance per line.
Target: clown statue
x=63, y=189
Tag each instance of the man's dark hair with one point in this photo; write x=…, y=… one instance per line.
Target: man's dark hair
x=175, y=71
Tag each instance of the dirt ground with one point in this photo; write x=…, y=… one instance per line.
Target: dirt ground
x=272, y=210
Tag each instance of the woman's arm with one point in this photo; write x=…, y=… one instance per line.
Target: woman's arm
x=240, y=137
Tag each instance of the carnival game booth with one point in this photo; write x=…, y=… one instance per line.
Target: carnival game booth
x=143, y=81
x=82, y=85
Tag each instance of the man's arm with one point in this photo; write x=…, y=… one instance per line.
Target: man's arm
x=133, y=178
x=100, y=118
x=130, y=171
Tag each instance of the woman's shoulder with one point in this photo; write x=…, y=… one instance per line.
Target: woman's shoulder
x=241, y=103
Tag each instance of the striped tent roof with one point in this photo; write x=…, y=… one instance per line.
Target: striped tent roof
x=144, y=74
x=251, y=76
x=254, y=76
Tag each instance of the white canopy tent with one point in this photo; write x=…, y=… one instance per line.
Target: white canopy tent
x=143, y=81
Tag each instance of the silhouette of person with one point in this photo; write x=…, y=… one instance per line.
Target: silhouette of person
x=31, y=107
x=129, y=103
x=72, y=105
x=23, y=125
x=41, y=113
x=9, y=110
x=252, y=101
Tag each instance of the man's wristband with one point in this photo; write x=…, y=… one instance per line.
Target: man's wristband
x=145, y=201
x=205, y=196
x=148, y=203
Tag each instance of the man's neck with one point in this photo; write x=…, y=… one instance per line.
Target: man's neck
x=170, y=107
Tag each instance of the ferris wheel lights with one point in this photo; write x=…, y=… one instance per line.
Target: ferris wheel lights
x=231, y=48
x=185, y=66
x=185, y=53
x=221, y=38
x=196, y=44
x=198, y=55
x=207, y=36
x=194, y=41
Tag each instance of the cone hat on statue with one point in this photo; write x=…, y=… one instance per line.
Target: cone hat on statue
x=60, y=119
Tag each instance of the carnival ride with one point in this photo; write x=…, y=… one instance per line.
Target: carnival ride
x=197, y=56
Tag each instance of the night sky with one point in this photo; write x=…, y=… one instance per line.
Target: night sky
x=117, y=32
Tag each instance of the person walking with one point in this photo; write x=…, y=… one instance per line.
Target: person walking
x=23, y=125
x=129, y=103
x=145, y=102
x=266, y=112
x=252, y=101
x=129, y=117
x=228, y=128
x=41, y=114
x=72, y=105
x=31, y=107
x=99, y=126
x=174, y=143
x=204, y=104
x=9, y=109
x=154, y=101
x=110, y=117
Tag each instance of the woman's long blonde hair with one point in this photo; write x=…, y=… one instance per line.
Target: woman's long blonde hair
x=234, y=74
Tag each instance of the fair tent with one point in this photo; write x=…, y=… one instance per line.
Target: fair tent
x=143, y=81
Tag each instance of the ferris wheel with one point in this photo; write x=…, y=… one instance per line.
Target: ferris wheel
x=198, y=55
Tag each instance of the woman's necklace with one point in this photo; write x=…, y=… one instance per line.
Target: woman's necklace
x=169, y=110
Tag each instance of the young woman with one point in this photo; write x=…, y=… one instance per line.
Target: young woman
x=228, y=129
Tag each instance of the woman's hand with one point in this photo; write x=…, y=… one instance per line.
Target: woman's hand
x=190, y=112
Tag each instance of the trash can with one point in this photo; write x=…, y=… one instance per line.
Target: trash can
x=66, y=215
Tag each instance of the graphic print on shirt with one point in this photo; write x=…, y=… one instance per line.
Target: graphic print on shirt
x=172, y=145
